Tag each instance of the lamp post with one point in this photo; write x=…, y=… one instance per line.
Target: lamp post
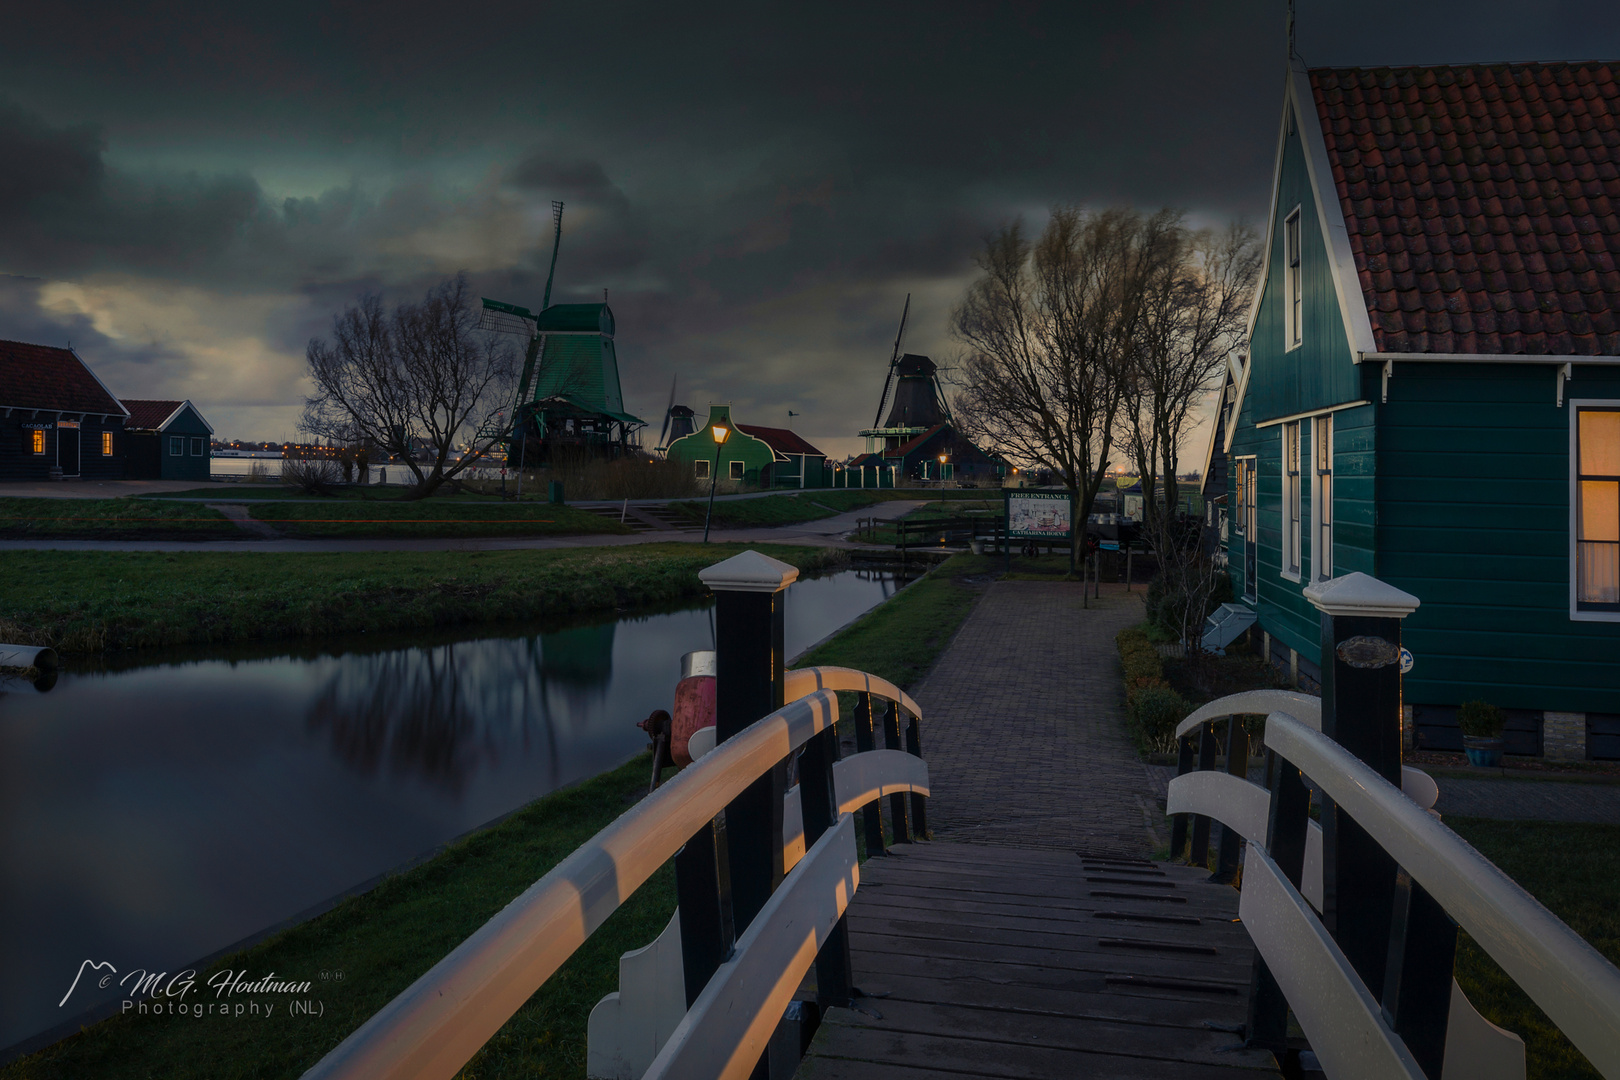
x=942, y=470
x=720, y=434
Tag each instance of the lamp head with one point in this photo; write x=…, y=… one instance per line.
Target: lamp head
x=721, y=432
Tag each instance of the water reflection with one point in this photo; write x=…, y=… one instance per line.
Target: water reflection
x=155, y=807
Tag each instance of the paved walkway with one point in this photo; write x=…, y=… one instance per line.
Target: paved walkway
x=1023, y=726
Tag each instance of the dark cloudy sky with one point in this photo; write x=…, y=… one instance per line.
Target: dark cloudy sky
x=189, y=191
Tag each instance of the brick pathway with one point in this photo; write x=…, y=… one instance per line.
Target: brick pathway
x=1023, y=726
x=1529, y=800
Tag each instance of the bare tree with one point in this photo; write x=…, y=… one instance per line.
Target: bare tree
x=421, y=379
x=1193, y=317
x=1051, y=331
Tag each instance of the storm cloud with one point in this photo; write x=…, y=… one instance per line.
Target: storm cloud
x=190, y=191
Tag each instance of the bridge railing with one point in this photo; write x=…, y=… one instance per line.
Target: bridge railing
x=442, y=1019
x=1357, y=1031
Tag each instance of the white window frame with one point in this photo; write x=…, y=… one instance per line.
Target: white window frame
x=700, y=468
x=1322, y=497
x=737, y=469
x=1247, y=522
x=1291, y=501
x=1577, y=613
x=1293, y=283
x=177, y=446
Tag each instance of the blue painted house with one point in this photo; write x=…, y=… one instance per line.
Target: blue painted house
x=1432, y=389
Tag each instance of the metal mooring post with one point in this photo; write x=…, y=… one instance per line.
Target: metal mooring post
x=749, y=590
x=1396, y=937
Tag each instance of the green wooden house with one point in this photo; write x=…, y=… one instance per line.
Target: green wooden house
x=167, y=440
x=1432, y=389
x=751, y=456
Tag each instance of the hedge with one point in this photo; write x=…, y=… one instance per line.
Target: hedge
x=1153, y=708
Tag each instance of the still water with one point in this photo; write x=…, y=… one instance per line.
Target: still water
x=154, y=813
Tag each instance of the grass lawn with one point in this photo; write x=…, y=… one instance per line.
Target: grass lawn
x=87, y=601
x=248, y=492
x=1574, y=870
x=110, y=519
x=356, y=519
x=384, y=939
x=776, y=509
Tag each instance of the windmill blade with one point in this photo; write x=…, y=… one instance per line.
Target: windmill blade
x=506, y=318
x=556, y=244
x=665, y=432
x=894, y=359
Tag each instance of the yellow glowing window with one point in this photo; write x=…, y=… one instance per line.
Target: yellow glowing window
x=106, y=444
x=39, y=441
x=1597, y=537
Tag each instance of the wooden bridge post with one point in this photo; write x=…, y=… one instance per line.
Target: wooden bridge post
x=749, y=591
x=1178, y=823
x=1237, y=764
x=897, y=801
x=1398, y=940
x=819, y=802
x=1207, y=748
x=865, y=739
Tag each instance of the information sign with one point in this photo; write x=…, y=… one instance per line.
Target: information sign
x=1037, y=515
x=1406, y=661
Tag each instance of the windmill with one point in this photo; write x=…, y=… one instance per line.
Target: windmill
x=669, y=407
x=512, y=319
x=894, y=359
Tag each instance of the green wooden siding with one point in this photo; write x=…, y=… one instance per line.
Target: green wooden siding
x=754, y=453
x=1473, y=479
x=1320, y=373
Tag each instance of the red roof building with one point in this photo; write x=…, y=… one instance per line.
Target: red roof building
x=57, y=419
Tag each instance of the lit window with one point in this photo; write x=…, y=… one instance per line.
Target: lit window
x=106, y=444
x=736, y=470
x=1597, y=514
x=700, y=469
x=1322, y=498
x=1292, y=283
x=177, y=446
x=1291, y=499
x=39, y=441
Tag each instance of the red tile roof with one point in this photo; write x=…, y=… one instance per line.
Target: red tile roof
x=45, y=377
x=149, y=415
x=781, y=440
x=1481, y=203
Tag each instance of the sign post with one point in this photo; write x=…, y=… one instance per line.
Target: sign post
x=1037, y=515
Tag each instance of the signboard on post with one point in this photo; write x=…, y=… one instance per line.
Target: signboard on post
x=1037, y=515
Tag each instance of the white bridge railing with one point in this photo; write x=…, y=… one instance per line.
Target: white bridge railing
x=1283, y=895
x=440, y=1021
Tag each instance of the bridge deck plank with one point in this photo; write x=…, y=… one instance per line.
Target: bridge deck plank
x=991, y=962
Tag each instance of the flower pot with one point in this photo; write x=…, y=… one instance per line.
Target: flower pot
x=1482, y=752
x=976, y=546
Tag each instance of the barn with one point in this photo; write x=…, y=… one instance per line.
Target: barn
x=58, y=421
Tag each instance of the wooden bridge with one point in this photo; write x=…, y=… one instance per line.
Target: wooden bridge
x=790, y=955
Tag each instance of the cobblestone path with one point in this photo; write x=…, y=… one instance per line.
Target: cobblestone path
x=1023, y=726
x=1529, y=800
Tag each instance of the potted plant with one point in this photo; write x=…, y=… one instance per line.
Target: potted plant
x=1481, y=724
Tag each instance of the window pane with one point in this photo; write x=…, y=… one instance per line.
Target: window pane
x=1600, y=442
x=736, y=470
x=1599, y=581
x=701, y=469
x=1600, y=510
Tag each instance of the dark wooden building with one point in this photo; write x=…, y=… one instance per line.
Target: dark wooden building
x=167, y=440
x=57, y=420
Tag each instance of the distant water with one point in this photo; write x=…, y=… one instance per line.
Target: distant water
x=152, y=813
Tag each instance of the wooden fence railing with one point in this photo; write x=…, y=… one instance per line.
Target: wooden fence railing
x=438, y=1023
x=1417, y=1022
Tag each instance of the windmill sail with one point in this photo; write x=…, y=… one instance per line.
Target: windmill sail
x=894, y=358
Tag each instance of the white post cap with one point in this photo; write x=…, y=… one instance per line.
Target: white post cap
x=749, y=572
x=1361, y=594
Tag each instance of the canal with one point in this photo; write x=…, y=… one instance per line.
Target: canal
x=159, y=808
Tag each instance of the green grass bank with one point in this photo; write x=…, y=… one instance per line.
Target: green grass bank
x=366, y=519
x=88, y=601
x=383, y=940
x=110, y=519
x=768, y=510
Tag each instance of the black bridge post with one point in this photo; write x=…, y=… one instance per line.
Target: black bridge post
x=819, y=803
x=1361, y=711
x=1237, y=764
x=1207, y=748
x=749, y=590
x=1178, y=823
x=703, y=893
x=871, y=814
x=897, y=801
x=919, y=805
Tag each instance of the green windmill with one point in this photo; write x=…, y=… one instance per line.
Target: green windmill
x=569, y=401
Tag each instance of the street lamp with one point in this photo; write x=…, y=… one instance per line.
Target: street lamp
x=720, y=433
x=942, y=470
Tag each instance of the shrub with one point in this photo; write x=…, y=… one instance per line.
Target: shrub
x=1152, y=707
x=1155, y=711
x=311, y=476
x=1480, y=719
